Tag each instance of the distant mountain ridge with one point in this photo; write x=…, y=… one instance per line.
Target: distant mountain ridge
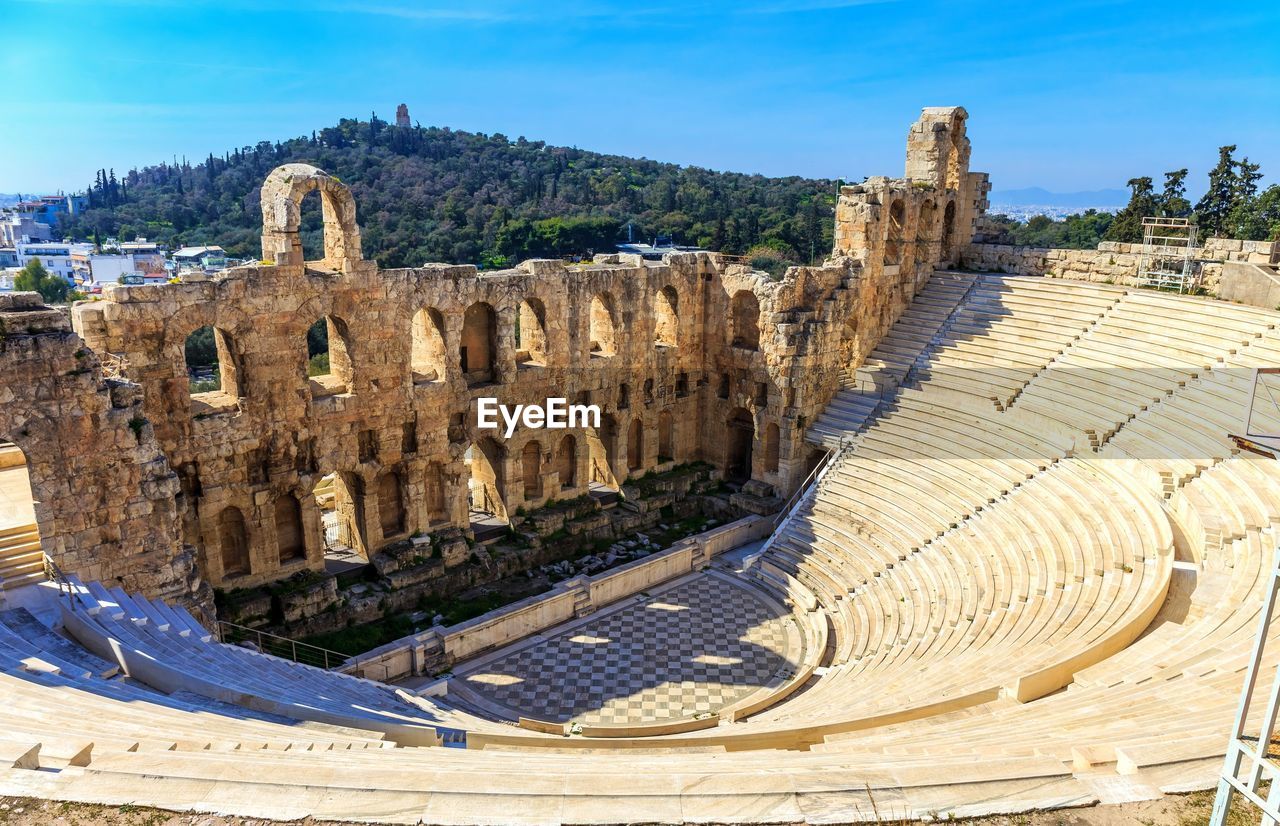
x=1038, y=196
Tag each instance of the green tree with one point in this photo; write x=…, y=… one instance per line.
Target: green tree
x=1244, y=198
x=34, y=277
x=1259, y=220
x=1214, y=209
x=1173, y=200
x=1127, y=226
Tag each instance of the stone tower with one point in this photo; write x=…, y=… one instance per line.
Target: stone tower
x=402, y=115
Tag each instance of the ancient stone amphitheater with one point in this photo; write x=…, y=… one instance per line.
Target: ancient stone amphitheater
x=1027, y=573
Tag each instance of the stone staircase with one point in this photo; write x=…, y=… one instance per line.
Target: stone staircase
x=890, y=364
x=21, y=560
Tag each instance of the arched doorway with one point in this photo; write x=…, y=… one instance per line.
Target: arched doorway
x=666, y=437
x=741, y=433
x=567, y=461
x=604, y=454
x=479, y=348
x=21, y=557
x=340, y=499
x=233, y=543
x=391, y=511
x=486, y=485
x=531, y=469
x=635, y=445
x=290, y=538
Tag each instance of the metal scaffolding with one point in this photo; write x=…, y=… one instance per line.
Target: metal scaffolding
x=1167, y=261
x=1250, y=762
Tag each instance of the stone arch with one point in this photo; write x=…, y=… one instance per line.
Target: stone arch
x=666, y=436
x=635, y=445
x=487, y=483
x=531, y=469
x=18, y=519
x=602, y=326
x=329, y=364
x=771, y=446
x=290, y=536
x=391, y=510
x=531, y=332
x=744, y=322
x=281, y=200
x=567, y=461
x=894, y=241
x=666, y=312
x=741, y=433
x=428, y=357
x=233, y=543
x=478, y=349
x=210, y=363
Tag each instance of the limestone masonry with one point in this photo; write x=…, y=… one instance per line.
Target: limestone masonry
x=694, y=357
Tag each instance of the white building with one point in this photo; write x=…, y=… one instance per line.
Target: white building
x=54, y=255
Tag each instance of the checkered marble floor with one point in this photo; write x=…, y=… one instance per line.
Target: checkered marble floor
x=696, y=647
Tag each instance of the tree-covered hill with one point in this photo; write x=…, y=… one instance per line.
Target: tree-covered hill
x=435, y=194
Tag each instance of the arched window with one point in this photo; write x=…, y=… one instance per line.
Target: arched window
x=211, y=363
x=479, y=348
x=666, y=437
x=390, y=505
x=648, y=391
x=531, y=333
x=290, y=543
x=893, y=247
x=745, y=322
x=624, y=396
x=567, y=461
x=666, y=313
x=531, y=469
x=771, y=436
x=328, y=356
x=635, y=445
x=602, y=331
x=233, y=541
x=427, y=359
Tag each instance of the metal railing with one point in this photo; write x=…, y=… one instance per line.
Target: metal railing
x=793, y=502
x=286, y=649
x=1249, y=765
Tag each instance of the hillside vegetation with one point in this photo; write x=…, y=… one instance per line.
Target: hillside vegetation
x=435, y=194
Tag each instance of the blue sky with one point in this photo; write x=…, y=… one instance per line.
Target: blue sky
x=1065, y=95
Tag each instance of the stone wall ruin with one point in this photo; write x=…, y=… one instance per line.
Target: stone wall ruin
x=690, y=358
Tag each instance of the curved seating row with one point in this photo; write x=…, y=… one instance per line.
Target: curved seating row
x=1024, y=561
